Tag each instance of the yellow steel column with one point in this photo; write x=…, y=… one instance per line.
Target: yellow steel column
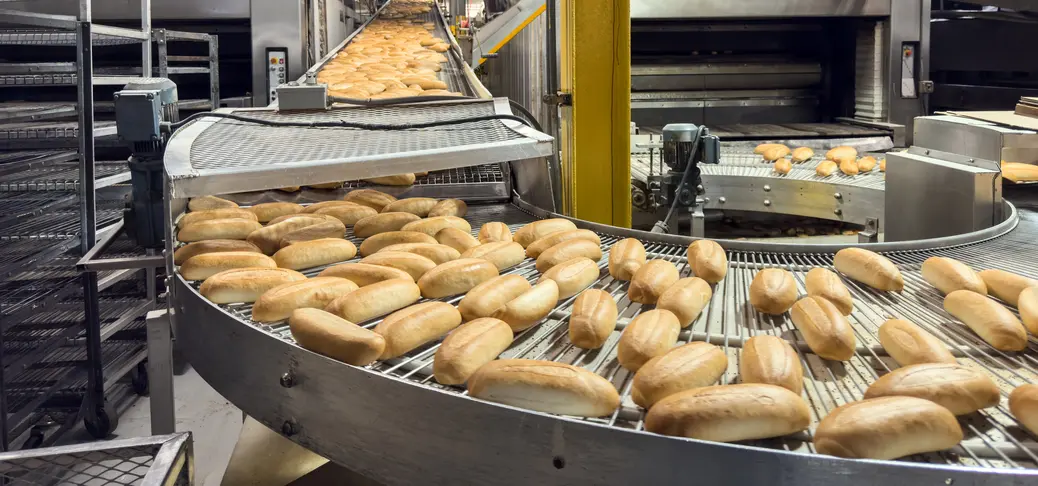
x=595, y=145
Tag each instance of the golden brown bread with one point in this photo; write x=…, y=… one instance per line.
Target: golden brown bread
x=279, y=302
x=318, y=217
x=869, y=268
x=436, y=252
x=826, y=284
x=369, y=197
x=382, y=223
x=494, y=231
x=649, y=282
x=409, y=328
x=224, y=213
x=290, y=188
x=455, y=238
x=322, y=230
x=692, y=365
x=375, y=300
x=211, y=246
x=414, y=265
x=544, y=386
x=268, y=211
x=530, y=307
x=773, y=291
x=826, y=168
x=364, y=274
x=592, y=319
x=825, y=329
x=1023, y=403
x=217, y=229
x=730, y=413
x=201, y=267
x=491, y=295
x=775, y=152
x=866, y=164
x=841, y=153
x=1027, y=304
x=566, y=251
x=313, y=208
x=882, y=165
x=245, y=284
x=373, y=244
x=349, y=215
x=707, y=260
x=539, y=229
x=760, y=148
x=455, y=277
x=849, y=167
x=908, y=344
x=783, y=166
x=268, y=238
x=949, y=275
x=1018, y=172
x=650, y=334
x=205, y=203
x=990, y=320
x=469, y=347
x=314, y=253
x=433, y=225
x=326, y=185
x=536, y=248
x=686, y=298
x=771, y=360
x=625, y=258
x=1006, y=285
x=572, y=276
x=449, y=207
x=887, y=428
x=802, y=154
x=334, y=337
x=503, y=254
x=393, y=180
x=419, y=206
x=959, y=389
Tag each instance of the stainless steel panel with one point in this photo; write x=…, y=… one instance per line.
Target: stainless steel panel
x=974, y=138
x=277, y=23
x=909, y=22
x=676, y=9
x=131, y=9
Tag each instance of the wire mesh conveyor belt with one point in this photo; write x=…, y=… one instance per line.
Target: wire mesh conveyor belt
x=993, y=438
x=750, y=165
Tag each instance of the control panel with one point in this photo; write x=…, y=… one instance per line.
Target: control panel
x=277, y=71
x=908, y=70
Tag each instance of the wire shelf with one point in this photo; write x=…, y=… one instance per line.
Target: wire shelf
x=63, y=177
x=47, y=37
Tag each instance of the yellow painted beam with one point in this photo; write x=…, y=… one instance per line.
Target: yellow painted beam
x=514, y=32
x=595, y=66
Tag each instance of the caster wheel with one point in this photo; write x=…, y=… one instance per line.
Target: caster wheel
x=35, y=439
x=100, y=424
x=139, y=379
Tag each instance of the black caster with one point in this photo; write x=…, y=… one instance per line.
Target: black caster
x=139, y=379
x=99, y=424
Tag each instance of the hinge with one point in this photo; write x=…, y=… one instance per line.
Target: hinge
x=560, y=98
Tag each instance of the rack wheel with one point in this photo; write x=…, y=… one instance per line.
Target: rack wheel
x=139, y=379
x=35, y=439
x=99, y=424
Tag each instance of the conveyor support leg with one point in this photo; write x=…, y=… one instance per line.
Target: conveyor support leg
x=160, y=373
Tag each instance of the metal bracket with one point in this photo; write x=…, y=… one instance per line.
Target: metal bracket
x=560, y=98
x=871, y=232
x=160, y=372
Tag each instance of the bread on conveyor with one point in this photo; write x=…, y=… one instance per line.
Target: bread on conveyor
x=649, y=282
x=449, y=207
x=494, y=231
x=419, y=206
x=436, y=252
x=882, y=165
x=209, y=202
x=278, y=303
x=887, y=428
x=268, y=238
x=761, y=148
x=411, y=327
x=414, y=265
x=312, y=216
x=334, y=337
x=382, y=223
x=849, y=167
x=783, y=166
x=826, y=168
x=707, y=260
x=245, y=284
x=491, y=295
x=455, y=238
x=268, y=211
x=530, y=307
x=625, y=258
x=775, y=152
x=773, y=291
x=503, y=254
x=650, y=334
x=1027, y=304
x=771, y=360
x=375, y=300
x=825, y=329
x=826, y=284
x=536, y=248
x=455, y=277
x=322, y=230
x=544, y=386
x=1018, y=172
x=211, y=246
x=1023, y=403
x=842, y=153
x=218, y=229
x=692, y=365
x=364, y=274
x=369, y=197
x=959, y=389
x=686, y=298
x=433, y=225
x=572, y=276
x=313, y=208
x=393, y=180
x=469, y=347
x=866, y=164
x=869, y=268
x=326, y=185
x=1005, y=285
x=908, y=344
x=592, y=319
x=201, y=267
x=377, y=242
x=314, y=253
x=730, y=413
x=949, y=275
x=802, y=154
x=223, y=213
x=568, y=250
x=290, y=188
x=539, y=229
x=349, y=215
x=990, y=320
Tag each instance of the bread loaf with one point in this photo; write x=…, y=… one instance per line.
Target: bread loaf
x=869, y=268
x=455, y=277
x=364, y=274
x=279, y=302
x=313, y=208
x=539, y=229
x=990, y=320
x=771, y=360
x=909, y=345
x=649, y=282
x=206, y=203
x=494, y=231
x=314, y=253
x=761, y=148
x=245, y=284
x=686, y=298
x=959, y=389
x=882, y=165
x=530, y=307
x=201, y=267
x=393, y=180
x=773, y=291
x=290, y=188
x=692, y=365
x=572, y=276
x=491, y=295
x=825, y=329
x=866, y=164
x=650, y=334
x=775, y=152
x=887, y=428
x=369, y=197
x=419, y=206
x=544, y=386
x=377, y=242
x=625, y=258
x=211, y=246
x=1005, y=285
x=849, y=167
x=457, y=239
x=949, y=275
x=432, y=226
x=1023, y=403
x=536, y=248
x=566, y=251
x=707, y=260
x=409, y=328
x=414, y=265
x=334, y=337
x=841, y=153
x=1027, y=304
x=502, y=254
x=1019, y=172
x=268, y=238
x=469, y=347
x=317, y=217
x=436, y=252
x=375, y=300
x=730, y=413
x=217, y=229
x=783, y=166
x=382, y=223
x=225, y=213
x=802, y=154
x=821, y=282
x=327, y=229
x=268, y=211
x=449, y=207
x=348, y=215
x=826, y=168
x=593, y=319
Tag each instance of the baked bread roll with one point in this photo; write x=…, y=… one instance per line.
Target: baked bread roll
x=491, y=295
x=773, y=291
x=882, y=165
x=959, y=389
x=364, y=274
x=469, y=347
x=1027, y=304
x=539, y=229
x=290, y=188
x=730, y=413
x=317, y=206
x=494, y=231
x=310, y=217
x=457, y=239
x=593, y=319
x=823, y=283
x=211, y=246
x=649, y=282
x=566, y=251
x=369, y=197
x=327, y=229
x=866, y=164
x=707, y=260
x=348, y=215
x=278, y=303
x=414, y=265
x=393, y=180
x=572, y=276
x=692, y=365
x=761, y=148
x=1005, y=285
x=268, y=238
x=908, y=344
x=826, y=168
x=530, y=307
x=455, y=277
x=377, y=242
x=502, y=254
x=431, y=226
x=419, y=206
x=1023, y=403
x=536, y=248
x=841, y=153
x=268, y=211
x=375, y=300
x=887, y=428
x=225, y=213
x=825, y=329
x=1018, y=172
x=869, y=268
x=245, y=284
x=436, y=252
x=949, y=275
x=625, y=258
x=775, y=152
x=686, y=298
x=802, y=154
x=544, y=386
x=995, y=324
x=314, y=253
x=449, y=207
x=409, y=328
x=382, y=223
x=201, y=267
x=206, y=203
x=771, y=360
x=783, y=166
x=217, y=229
x=334, y=337
x=849, y=167
x=647, y=336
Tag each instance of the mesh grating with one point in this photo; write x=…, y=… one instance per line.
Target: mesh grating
x=481, y=174
x=127, y=465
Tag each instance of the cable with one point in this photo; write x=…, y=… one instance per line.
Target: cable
x=661, y=226
x=526, y=113
x=346, y=124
